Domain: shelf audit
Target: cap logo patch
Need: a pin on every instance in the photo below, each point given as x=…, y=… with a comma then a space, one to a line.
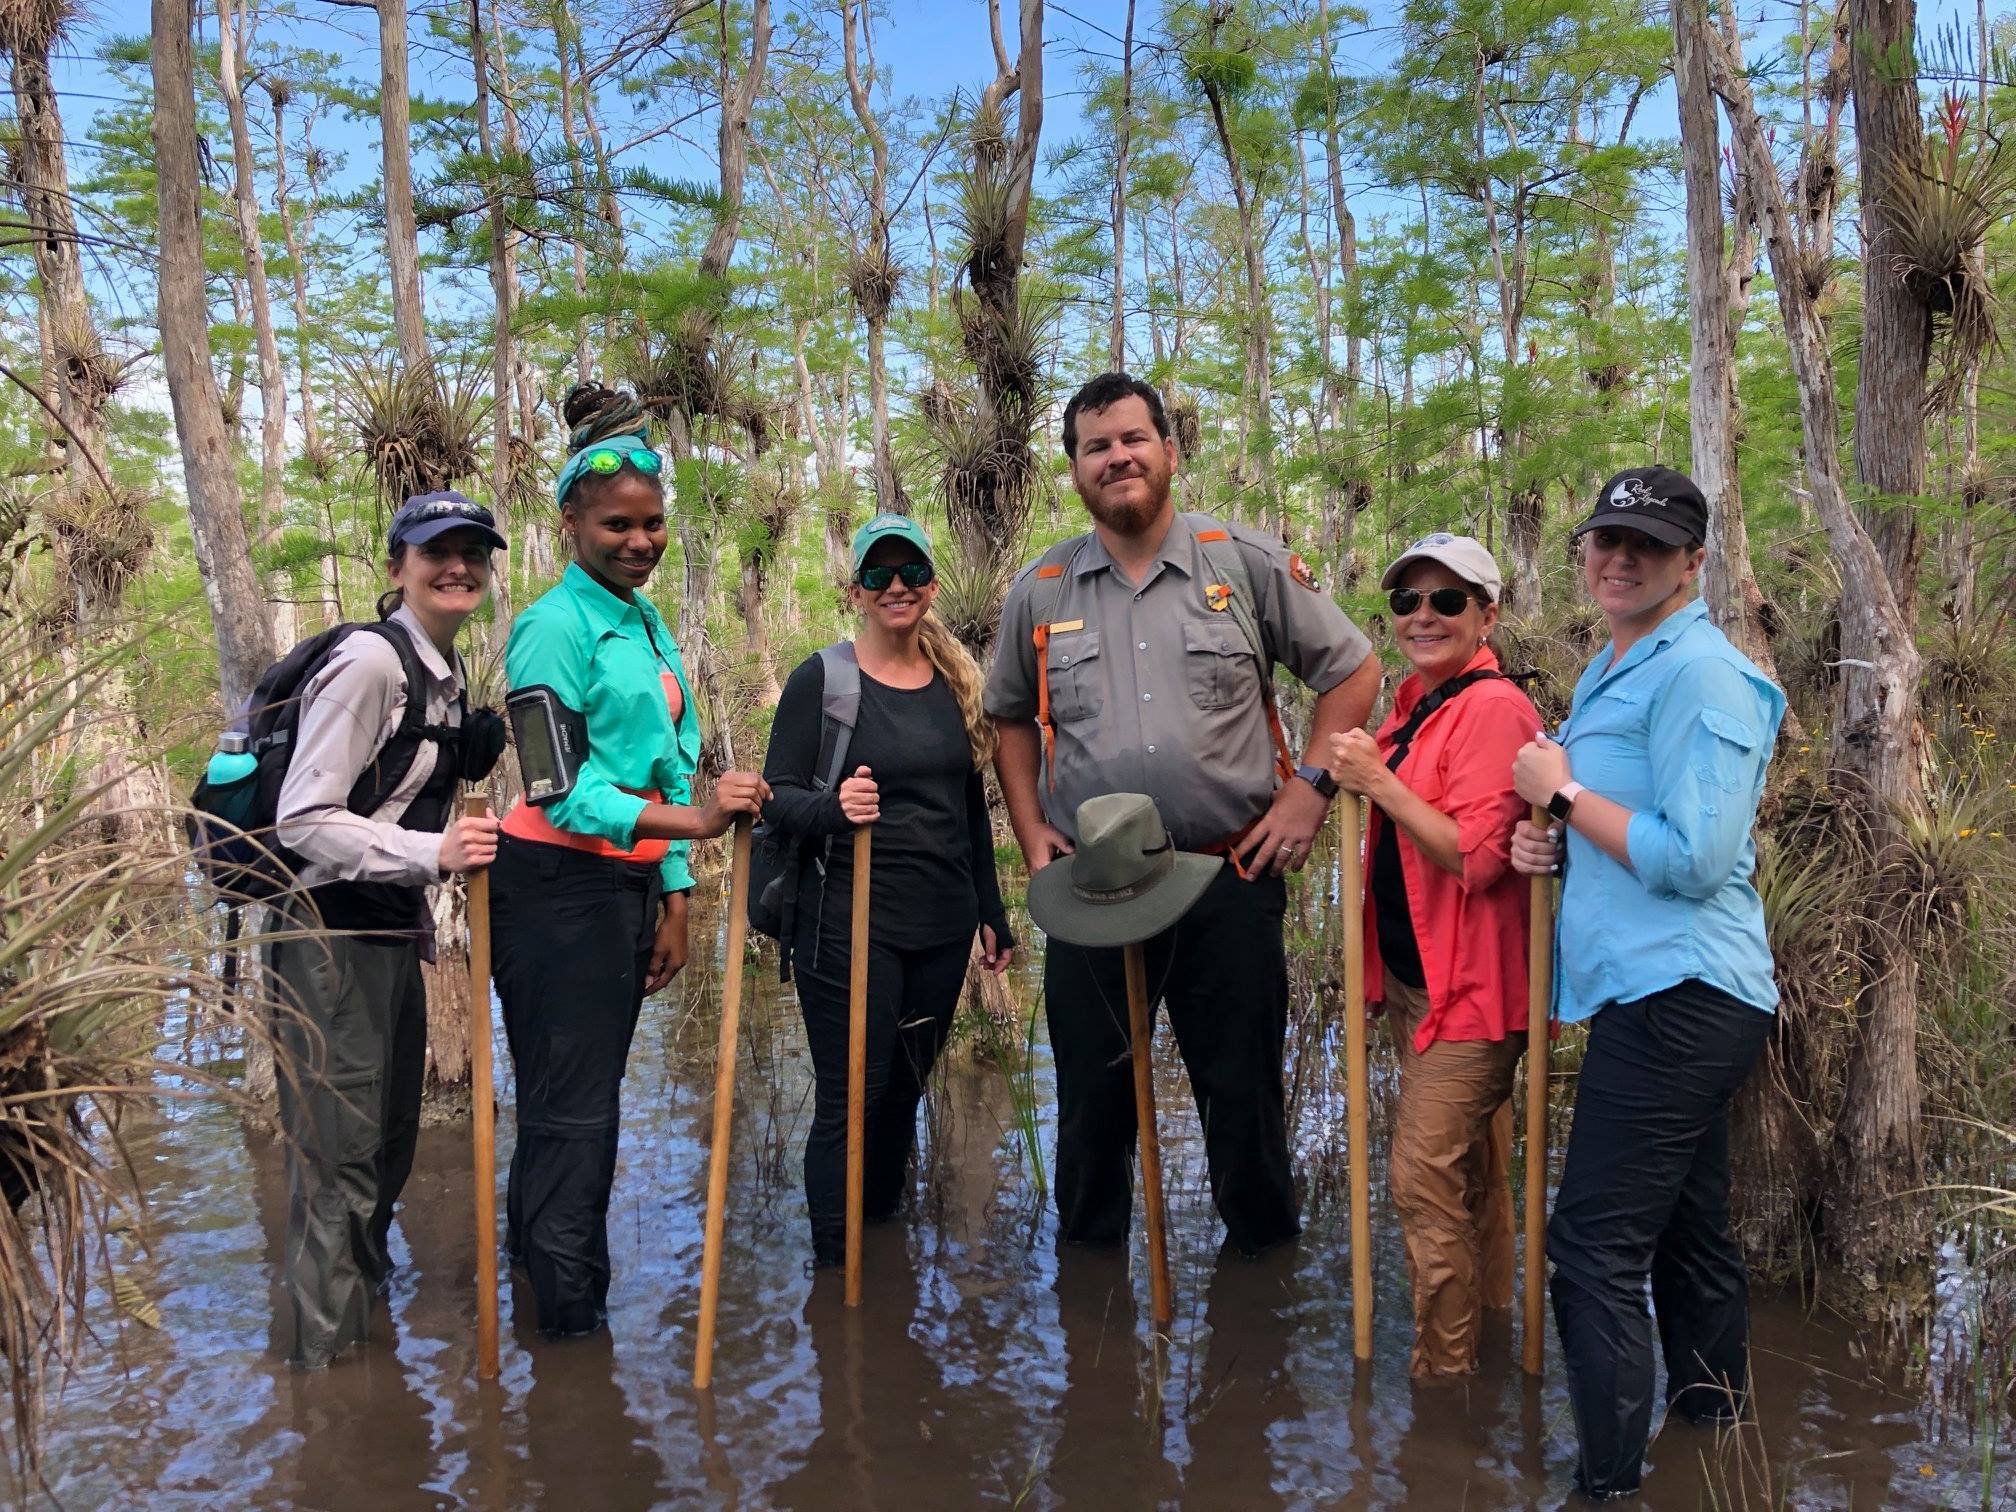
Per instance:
x=1218, y=597
x=1632, y=493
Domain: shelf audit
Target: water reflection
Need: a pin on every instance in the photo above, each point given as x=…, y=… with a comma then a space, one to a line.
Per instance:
x=985, y=1367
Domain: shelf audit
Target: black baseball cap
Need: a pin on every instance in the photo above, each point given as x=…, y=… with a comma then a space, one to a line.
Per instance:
x=425, y=516
x=1657, y=501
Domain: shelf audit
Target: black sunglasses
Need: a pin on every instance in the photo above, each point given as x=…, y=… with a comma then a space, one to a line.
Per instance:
x=914, y=575
x=1447, y=602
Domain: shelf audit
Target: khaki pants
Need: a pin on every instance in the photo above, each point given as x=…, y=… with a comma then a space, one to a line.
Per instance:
x=1452, y=1146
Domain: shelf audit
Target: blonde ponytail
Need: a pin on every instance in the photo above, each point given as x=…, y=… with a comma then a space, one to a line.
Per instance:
x=962, y=675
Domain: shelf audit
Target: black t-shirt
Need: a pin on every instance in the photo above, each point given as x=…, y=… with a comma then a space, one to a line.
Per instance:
x=933, y=861
x=1399, y=951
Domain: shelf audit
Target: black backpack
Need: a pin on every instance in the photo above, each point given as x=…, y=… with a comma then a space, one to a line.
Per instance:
x=233, y=826
x=777, y=861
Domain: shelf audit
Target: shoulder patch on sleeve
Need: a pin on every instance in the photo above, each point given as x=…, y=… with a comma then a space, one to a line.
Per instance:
x=1299, y=570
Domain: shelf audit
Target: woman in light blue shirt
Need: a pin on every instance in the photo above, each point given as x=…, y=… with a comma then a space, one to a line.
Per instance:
x=1661, y=944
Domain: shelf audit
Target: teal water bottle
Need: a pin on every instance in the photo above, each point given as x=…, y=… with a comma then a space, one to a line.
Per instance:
x=233, y=761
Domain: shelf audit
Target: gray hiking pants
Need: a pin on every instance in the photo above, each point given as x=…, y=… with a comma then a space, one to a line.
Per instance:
x=350, y=1110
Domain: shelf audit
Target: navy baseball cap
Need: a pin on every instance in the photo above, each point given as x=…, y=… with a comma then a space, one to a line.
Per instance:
x=425, y=516
x=1656, y=501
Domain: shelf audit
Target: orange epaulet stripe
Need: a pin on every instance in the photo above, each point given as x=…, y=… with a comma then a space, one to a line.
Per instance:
x=1214, y=535
x=1049, y=572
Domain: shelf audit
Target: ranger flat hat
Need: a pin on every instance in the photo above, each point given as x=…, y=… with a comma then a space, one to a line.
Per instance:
x=1125, y=882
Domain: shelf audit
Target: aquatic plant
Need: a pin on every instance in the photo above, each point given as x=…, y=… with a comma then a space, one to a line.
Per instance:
x=99, y=949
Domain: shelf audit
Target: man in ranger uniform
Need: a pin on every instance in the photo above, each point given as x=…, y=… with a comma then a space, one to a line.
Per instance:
x=1139, y=658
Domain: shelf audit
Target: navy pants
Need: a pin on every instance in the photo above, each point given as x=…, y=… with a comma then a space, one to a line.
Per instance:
x=911, y=998
x=1223, y=973
x=573, y=937
x=1645, y=1193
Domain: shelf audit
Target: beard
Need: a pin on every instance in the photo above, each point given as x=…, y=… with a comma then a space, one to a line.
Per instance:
x=1131, y=515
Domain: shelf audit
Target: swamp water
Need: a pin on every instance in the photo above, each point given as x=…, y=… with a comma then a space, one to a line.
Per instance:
x=983, y=1369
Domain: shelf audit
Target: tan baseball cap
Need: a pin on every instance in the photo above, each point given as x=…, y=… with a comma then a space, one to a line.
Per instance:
x=1466, y=556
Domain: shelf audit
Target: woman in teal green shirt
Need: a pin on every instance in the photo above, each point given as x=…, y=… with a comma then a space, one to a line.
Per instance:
x=588, y=893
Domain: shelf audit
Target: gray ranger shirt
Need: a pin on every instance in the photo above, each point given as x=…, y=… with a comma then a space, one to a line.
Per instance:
x=1153, y=691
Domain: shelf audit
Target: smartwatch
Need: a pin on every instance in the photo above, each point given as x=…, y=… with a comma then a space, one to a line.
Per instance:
x=1320, y=779
x=1564, y=800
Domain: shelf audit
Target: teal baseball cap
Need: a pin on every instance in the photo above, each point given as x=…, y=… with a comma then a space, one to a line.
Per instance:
x=885, y=527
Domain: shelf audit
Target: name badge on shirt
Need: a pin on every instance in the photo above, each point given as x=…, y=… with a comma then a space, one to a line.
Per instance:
x=1060, y=627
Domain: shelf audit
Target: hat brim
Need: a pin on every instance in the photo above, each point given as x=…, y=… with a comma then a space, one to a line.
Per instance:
x=1661, y=530
x=908, y=537
x=426, y=531
x=1392, y=575
x=1061, y=914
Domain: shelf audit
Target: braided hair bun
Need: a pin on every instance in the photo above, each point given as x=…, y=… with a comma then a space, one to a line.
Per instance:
x=594, y=412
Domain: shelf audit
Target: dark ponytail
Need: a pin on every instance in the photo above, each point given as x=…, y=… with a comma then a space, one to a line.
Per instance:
x=594, y=412
x=392, y=599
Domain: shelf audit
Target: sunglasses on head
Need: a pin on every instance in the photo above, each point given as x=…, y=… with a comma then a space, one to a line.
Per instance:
x=1447, y=602
x=609, y=459
x=914, y=575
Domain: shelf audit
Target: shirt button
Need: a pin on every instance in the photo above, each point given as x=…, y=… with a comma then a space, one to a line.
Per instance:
x=1151, y=750
x=1143, y=646
x=1147, y=698
x=1066, y=662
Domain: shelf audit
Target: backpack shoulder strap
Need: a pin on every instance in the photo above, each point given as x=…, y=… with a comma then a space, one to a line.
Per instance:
x=1227, y=561
x=394, y=759
x=1046, y=593
x=839, y=709
x=1403, y=738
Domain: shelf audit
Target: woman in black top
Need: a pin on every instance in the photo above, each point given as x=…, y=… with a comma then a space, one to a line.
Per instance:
x=920, y=743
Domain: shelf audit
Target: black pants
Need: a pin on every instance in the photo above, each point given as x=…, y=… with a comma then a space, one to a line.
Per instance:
x=1645, y=1191
x=573, y=937
x=356, y=1049
x=912, y=995
x=1224, y=976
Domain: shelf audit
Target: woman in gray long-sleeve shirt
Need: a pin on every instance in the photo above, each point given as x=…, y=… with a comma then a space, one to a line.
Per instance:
x=357, y=1036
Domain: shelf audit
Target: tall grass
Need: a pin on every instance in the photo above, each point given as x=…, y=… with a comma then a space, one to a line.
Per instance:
x=99, y=948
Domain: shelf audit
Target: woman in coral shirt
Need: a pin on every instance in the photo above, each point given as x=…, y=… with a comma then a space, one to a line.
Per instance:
x=1445, y=931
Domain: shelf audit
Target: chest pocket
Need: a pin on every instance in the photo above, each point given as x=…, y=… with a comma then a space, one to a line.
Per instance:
x=1218, y=665
x=1077, y=690
x=628, y=692
x=1616, y=712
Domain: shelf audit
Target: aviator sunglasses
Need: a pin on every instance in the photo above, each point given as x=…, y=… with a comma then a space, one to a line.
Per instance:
x=1447, y=602
x=608, y=459
x=914, y=575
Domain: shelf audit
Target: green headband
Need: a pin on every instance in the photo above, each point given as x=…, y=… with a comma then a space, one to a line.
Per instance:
x=576, y=465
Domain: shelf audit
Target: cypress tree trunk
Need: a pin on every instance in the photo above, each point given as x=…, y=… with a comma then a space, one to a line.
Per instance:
x=216, y=520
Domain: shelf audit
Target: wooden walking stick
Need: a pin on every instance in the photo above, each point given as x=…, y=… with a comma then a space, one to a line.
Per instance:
x=1357, y=1090
x=1539, y=1002
x=1141, y=1030
x=482, y=1107
x=724, y=1107
x=857, y=1064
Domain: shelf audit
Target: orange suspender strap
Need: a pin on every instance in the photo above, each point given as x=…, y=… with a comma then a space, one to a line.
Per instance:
x=1229, y=849
x=1284, y=763
x=1041, y=636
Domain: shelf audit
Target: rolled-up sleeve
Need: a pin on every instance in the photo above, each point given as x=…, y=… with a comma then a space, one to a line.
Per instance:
x=1477, y=789
x=1709, y=739
x=543, y=652
x=1011, y=681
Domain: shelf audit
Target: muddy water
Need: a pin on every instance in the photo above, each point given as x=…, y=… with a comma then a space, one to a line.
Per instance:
x=983, y=1368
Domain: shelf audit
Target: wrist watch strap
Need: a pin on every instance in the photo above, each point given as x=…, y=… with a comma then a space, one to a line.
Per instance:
x=1563, y=801
x=1318, y=778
